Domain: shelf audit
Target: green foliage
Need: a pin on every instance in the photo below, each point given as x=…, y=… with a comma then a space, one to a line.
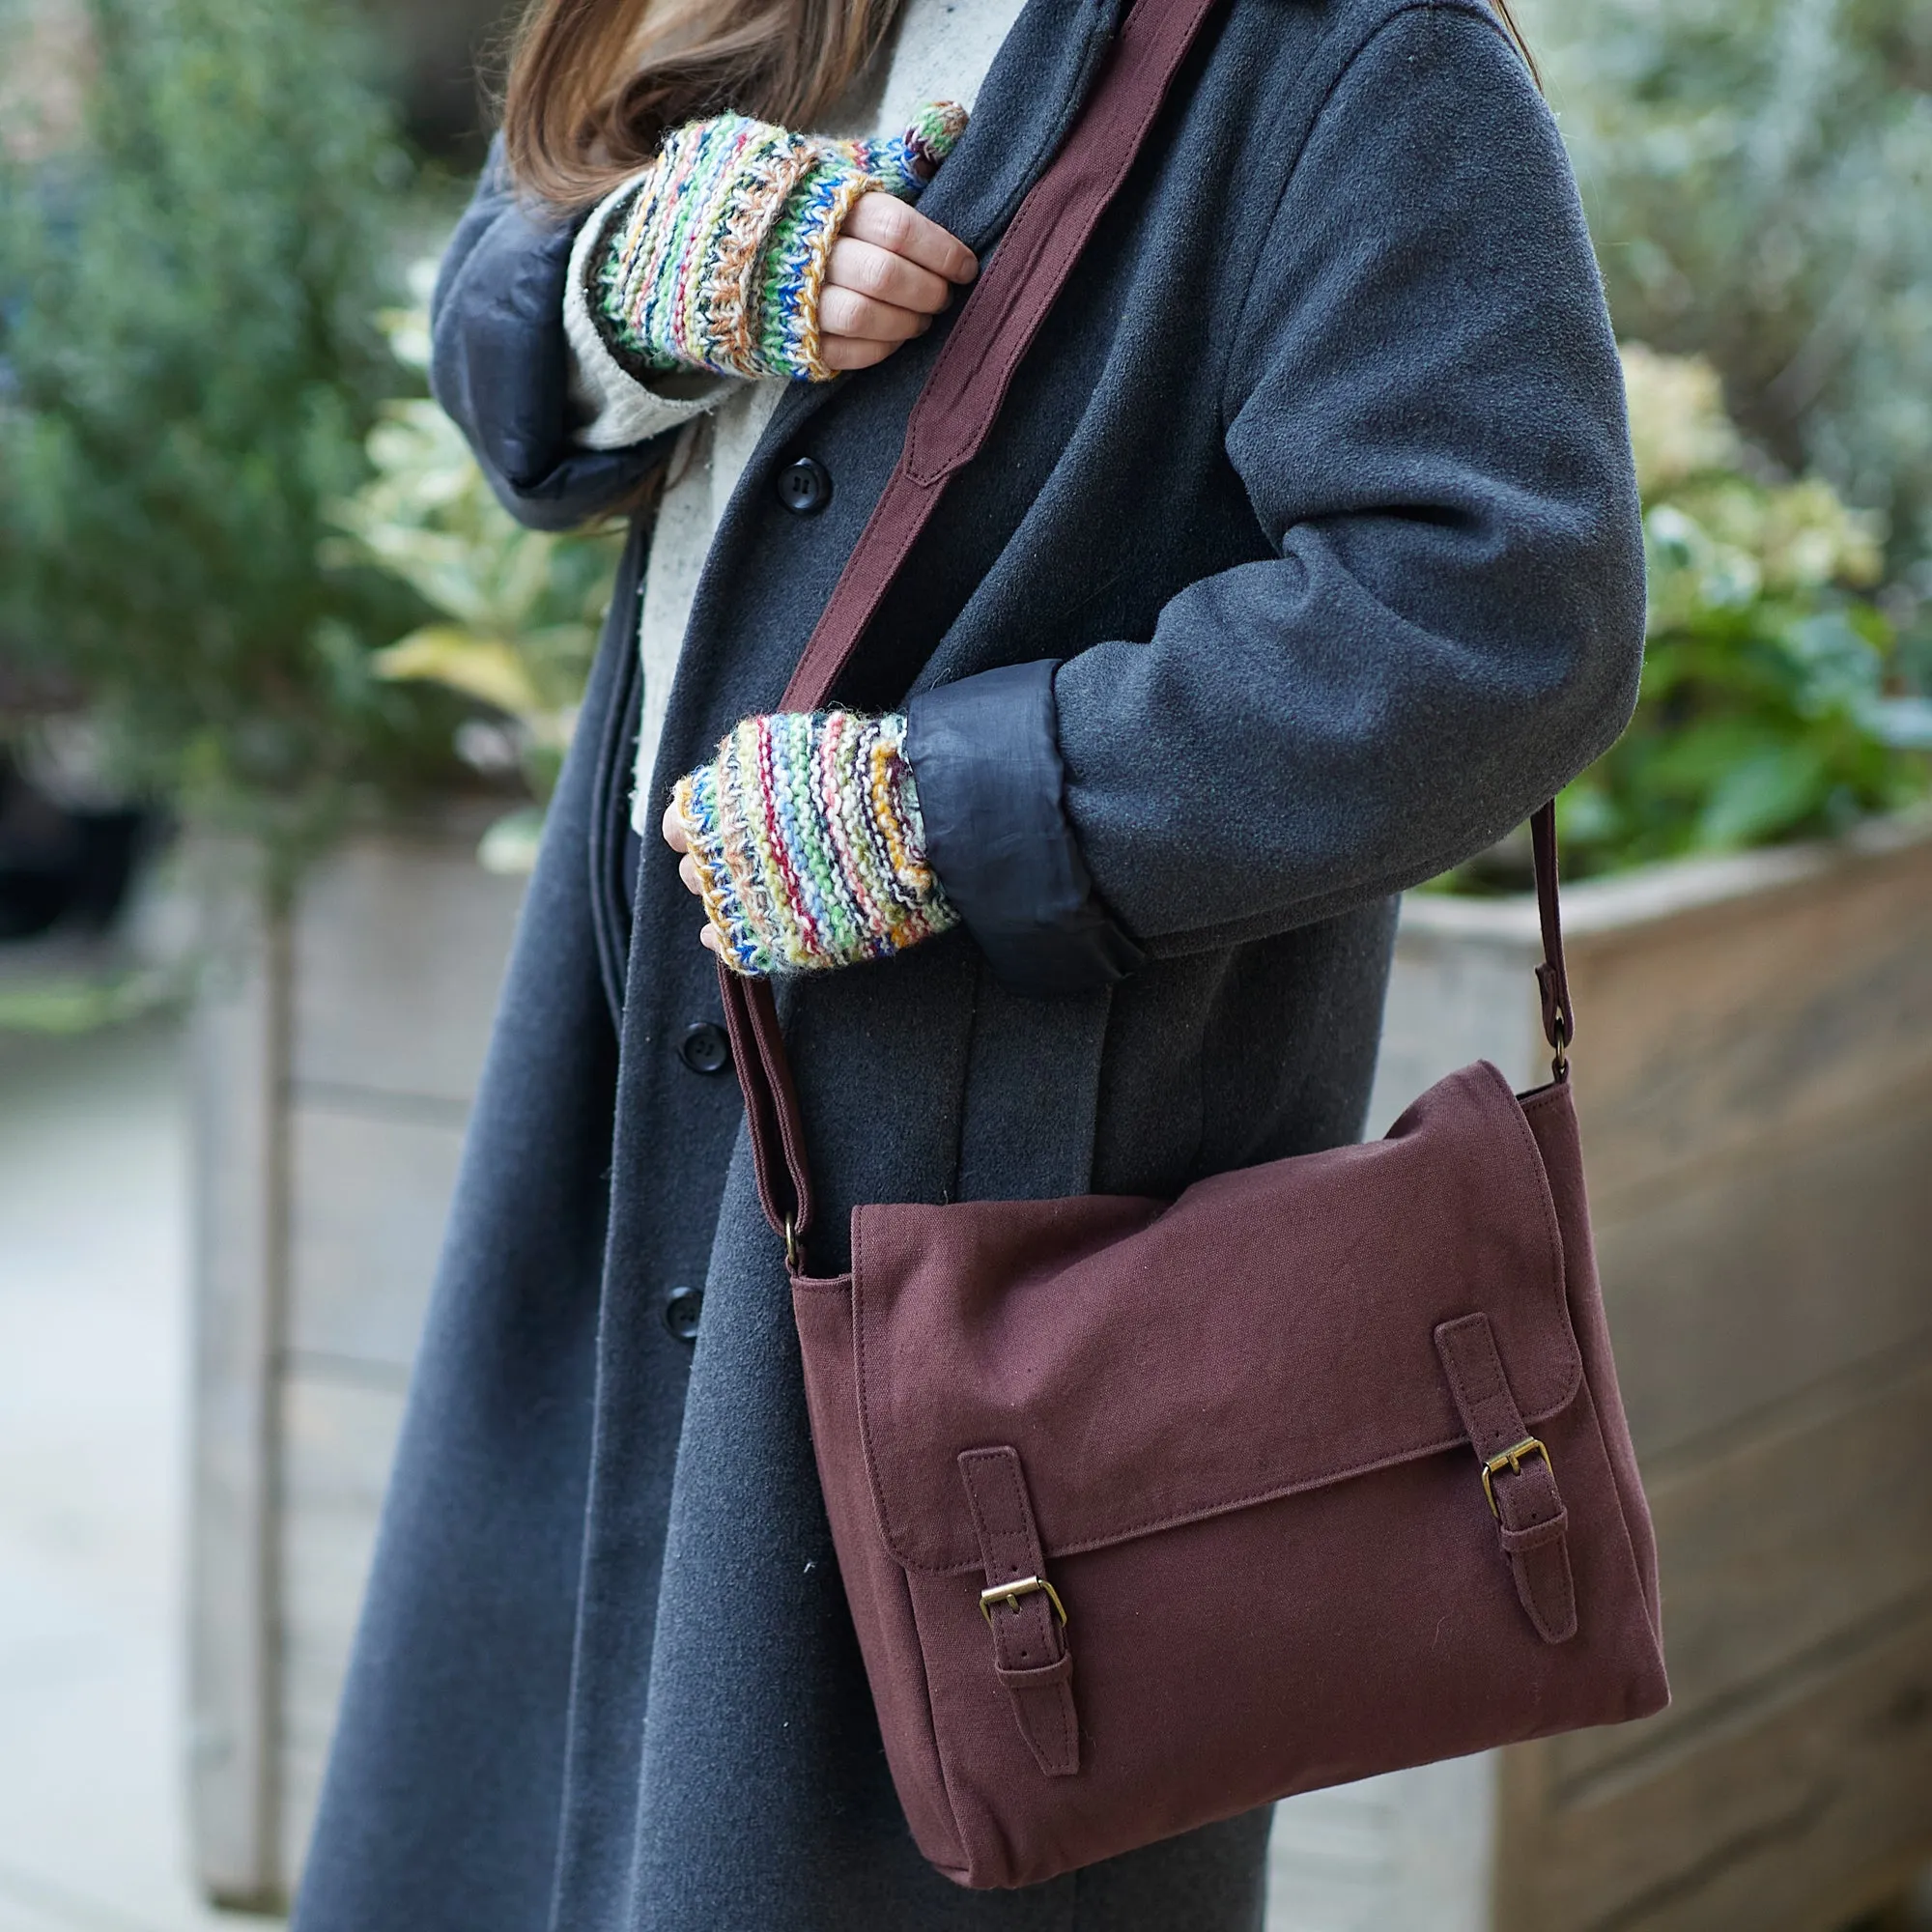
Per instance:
x=190, y=370
x=520, y=611
x=1758, y=177
x=1764, y=712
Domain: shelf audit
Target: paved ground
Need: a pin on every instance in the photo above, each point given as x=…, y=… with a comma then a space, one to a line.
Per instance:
x=93, y=1381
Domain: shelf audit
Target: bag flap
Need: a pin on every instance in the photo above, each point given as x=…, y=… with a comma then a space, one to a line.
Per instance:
x=1270, y=1331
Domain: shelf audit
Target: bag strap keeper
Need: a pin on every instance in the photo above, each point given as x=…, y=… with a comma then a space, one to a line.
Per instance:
x=1030, y=1654
x=1532, y=1525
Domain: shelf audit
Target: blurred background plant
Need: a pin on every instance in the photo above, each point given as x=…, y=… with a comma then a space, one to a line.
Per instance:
x=1758, y=178
x=1772, y=703
x=518, y=612
x=1775, y=703
x=189, y=278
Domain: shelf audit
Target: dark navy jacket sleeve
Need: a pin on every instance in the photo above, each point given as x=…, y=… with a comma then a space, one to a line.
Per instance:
x=500, y=365
x=985, y=756
x=1425, y=407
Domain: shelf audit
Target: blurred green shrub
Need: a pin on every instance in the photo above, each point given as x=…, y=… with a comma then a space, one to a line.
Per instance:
x=1765, y=712
x=519, y=611
x=1758, y=177
x=190, y=367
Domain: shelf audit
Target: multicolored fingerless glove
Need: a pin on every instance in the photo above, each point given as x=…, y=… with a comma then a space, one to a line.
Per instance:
x=714, y=258
x=808, y=843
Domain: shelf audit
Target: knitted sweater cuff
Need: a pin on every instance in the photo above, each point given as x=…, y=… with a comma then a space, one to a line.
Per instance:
x=612, y=405
x=716, y=257
x=809, y=845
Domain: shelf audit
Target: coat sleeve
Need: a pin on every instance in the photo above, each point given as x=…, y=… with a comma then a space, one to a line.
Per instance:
x=1425, y=407
x=501, y=366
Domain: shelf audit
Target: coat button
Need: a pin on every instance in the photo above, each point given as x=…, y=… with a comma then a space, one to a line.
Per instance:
x=805, y=487
x=683, y=1307
x=705, y=1048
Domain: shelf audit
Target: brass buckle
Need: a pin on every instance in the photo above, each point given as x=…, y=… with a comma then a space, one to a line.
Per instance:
x=794, y=1252
x=1010, y=1594
x=1512, y=1459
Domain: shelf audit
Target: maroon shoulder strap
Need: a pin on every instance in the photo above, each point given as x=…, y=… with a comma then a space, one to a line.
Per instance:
x=1559, y=1016
x=950, y=422
x=957, y=409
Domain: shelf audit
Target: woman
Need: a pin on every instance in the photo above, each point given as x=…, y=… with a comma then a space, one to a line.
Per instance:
x=1303, y=563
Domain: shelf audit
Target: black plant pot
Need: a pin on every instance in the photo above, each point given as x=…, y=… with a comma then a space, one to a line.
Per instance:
x=60, y=866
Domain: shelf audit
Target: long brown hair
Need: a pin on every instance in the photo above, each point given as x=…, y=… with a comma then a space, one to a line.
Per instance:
x=593, y=84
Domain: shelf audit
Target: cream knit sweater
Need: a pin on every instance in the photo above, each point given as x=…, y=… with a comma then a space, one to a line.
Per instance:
x=938, y=49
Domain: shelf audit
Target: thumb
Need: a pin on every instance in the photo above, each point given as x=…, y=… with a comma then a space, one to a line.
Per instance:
x=934, y=134
x=903, y=164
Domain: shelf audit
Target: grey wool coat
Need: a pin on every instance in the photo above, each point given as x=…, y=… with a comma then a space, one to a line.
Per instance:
x=1304, y=562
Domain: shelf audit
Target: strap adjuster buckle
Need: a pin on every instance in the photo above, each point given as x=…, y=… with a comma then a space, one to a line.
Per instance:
x=1010, y=1594
x=1512, y=1459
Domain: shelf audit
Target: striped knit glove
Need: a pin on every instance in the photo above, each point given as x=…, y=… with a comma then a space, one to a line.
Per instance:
x=808, y=844
x=715, y=259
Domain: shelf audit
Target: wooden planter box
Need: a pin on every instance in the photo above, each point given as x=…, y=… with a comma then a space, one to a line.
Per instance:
x=1755, y=1074
x=335, y=1054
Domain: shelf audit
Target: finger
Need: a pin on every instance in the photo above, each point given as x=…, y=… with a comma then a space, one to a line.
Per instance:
x=842, y=313
x=851, y=351
x=687, y=870
x=673, y=830
x=708, y=938
x=900, y=229
x=867, y=269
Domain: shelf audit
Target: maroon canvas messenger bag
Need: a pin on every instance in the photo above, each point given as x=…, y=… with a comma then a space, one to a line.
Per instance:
x=1150, y=1511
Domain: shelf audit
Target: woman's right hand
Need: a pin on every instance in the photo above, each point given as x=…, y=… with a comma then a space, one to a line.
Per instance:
x=889, y=273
